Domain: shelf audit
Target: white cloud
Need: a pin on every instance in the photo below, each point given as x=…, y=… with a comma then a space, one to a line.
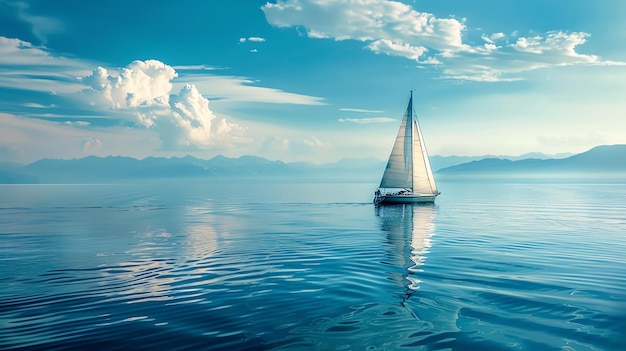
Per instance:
x=314, y=142
x=368, y=120
x=243, y=89
x=572, y=141
x=388, y=47
x=394, y=28
x=502, y=63
x=140, y=93
x=26, y=140
x=394, y=25
x=486, y=38
x=360, y=110
x=559, y=44
x=196, y=67
x=27, y=67
x=140, y=83
x=497, y=36
x=41, y=26
x=143, y=89
x=252, y=39
x=78, y=123
x=24, y=66
x=199, y=126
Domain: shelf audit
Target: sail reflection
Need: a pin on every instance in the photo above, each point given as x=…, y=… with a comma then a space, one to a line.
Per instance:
x=408, y=229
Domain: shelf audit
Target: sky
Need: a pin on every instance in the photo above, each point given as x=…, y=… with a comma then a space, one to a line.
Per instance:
x=308, y=80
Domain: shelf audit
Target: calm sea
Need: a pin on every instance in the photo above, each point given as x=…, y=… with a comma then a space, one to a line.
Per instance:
x=254, y=265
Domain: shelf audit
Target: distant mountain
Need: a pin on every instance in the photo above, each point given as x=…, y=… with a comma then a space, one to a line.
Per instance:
x=600, y=159
x=440, y=162
x=94, y=169
x=10, y=174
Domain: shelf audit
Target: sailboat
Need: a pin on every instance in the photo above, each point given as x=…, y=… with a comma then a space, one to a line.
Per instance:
x=408, y=177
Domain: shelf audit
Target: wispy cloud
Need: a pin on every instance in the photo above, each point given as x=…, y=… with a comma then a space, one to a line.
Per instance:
x=244, y=89
x=28, y=139
x=252, y=39
x=359, y=110
x=394, y=28
x=41, y=26
x=368, y=120
x=285, y=147
x=196, y=68
x=315, y=142
x=28, y=67
x=149, y=95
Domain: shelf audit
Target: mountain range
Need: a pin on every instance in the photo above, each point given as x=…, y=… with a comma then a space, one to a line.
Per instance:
x=600, y=159
x=92, y=169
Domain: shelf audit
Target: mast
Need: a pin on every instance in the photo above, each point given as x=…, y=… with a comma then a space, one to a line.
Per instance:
x=408, y=144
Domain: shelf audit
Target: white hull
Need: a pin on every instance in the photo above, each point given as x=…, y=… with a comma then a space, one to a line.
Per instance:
x=405, y=198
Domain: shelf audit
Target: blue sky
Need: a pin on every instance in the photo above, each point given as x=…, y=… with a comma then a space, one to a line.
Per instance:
x=311, y=80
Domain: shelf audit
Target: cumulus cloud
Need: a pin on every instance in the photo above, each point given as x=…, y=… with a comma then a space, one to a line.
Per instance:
x=394, y=28
x=140, y=83
x=143, y=90
x=198, y=124
x=390, y=25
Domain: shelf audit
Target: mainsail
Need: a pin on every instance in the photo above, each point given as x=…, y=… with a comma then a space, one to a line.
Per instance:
x=408, y=166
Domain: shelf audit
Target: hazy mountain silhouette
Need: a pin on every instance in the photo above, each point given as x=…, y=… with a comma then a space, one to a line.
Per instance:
x=94, y=169
x=440, y=162
x=600, y=159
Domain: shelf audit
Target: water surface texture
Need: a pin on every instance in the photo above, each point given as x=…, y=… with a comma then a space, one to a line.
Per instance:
x=498, y=265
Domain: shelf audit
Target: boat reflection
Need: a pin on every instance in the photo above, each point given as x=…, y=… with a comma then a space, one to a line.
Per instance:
x=408, y=228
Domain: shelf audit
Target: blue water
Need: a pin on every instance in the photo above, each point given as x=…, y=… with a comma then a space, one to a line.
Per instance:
x=493, y=265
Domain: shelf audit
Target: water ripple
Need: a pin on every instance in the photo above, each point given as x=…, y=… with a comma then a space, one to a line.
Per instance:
x=149, y=269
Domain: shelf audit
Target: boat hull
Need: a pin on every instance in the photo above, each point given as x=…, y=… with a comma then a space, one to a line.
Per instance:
x=405, y=199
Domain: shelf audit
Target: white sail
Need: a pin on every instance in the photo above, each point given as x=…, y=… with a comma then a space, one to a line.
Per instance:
x=423, y=179
x=408, y=166
x=399, y=170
